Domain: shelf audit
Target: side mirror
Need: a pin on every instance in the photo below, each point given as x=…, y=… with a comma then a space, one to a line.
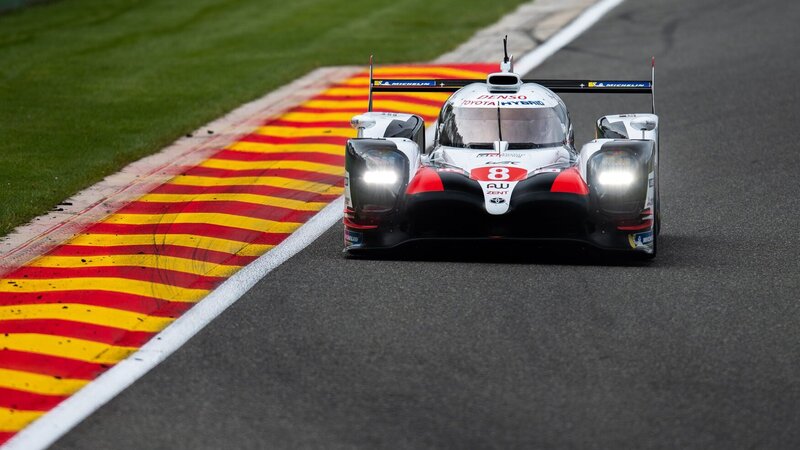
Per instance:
x=607, y=129
x=644, y=124
x=361, y=122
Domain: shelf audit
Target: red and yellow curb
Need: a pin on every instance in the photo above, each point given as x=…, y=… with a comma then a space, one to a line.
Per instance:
x=89, y=303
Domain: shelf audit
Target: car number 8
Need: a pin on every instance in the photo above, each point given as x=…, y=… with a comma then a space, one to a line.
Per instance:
x=499, y=173
x=494, y=173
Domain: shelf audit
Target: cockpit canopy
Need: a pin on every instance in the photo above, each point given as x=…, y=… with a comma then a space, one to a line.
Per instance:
x=526, y=124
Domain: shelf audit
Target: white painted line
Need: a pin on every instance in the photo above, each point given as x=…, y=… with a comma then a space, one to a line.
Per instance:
x=69, y=413
x=58, y=421
x=564, y=36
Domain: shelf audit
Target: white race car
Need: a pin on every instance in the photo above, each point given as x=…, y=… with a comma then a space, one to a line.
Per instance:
x=503, y=166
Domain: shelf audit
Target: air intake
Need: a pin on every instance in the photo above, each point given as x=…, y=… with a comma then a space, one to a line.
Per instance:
x=504, y=82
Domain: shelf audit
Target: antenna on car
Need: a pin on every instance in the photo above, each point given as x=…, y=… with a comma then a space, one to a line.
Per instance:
x=369, y=104
x=508, y=61
x=653, y=82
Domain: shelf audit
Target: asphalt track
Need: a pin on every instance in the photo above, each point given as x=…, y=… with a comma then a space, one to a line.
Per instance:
x=698, y=349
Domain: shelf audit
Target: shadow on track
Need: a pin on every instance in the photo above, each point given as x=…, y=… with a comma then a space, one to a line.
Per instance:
x=505, y=252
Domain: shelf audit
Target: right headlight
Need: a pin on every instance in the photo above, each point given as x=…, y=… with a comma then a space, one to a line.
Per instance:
x=617, y=179
x=615, y=169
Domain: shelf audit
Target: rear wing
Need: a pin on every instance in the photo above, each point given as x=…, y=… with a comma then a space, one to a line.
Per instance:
x=559, y=86
x=571, y=86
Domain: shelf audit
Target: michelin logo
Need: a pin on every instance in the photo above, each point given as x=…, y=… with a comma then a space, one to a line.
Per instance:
x=619, y=84
x=406, y=83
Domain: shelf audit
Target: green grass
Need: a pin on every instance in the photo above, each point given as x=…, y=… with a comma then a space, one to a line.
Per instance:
x=7, y=5
x=88, y=86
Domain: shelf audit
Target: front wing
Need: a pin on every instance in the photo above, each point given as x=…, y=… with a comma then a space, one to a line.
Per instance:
x=539, y=210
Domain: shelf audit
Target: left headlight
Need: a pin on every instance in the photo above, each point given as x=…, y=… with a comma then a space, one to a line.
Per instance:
x=381, y=176
x=382, y=168
x=377, y=172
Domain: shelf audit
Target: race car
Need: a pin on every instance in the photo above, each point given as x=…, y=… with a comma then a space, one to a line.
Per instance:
x=503, y=166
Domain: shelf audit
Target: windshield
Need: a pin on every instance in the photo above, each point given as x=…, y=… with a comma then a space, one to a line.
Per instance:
x=521, y=127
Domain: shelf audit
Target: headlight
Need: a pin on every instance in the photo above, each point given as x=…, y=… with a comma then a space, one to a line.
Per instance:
x=383, y=168
x=615, y=169
x=377, y=172
x=619, y=178
x=380, y=177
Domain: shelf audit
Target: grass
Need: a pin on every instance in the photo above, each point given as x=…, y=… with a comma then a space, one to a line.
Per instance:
x=88, y=86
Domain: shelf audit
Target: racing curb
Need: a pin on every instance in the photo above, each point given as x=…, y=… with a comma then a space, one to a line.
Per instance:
x=89, y=206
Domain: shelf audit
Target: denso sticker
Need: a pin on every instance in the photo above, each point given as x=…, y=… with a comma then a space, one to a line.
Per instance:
x=495, y=173
x=502, y=97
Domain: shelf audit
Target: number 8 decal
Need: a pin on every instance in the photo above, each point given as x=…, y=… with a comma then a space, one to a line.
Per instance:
x=494, y=173
x=499, y=173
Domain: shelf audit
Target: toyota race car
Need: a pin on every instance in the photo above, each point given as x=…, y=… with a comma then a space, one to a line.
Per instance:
x=503, y=166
